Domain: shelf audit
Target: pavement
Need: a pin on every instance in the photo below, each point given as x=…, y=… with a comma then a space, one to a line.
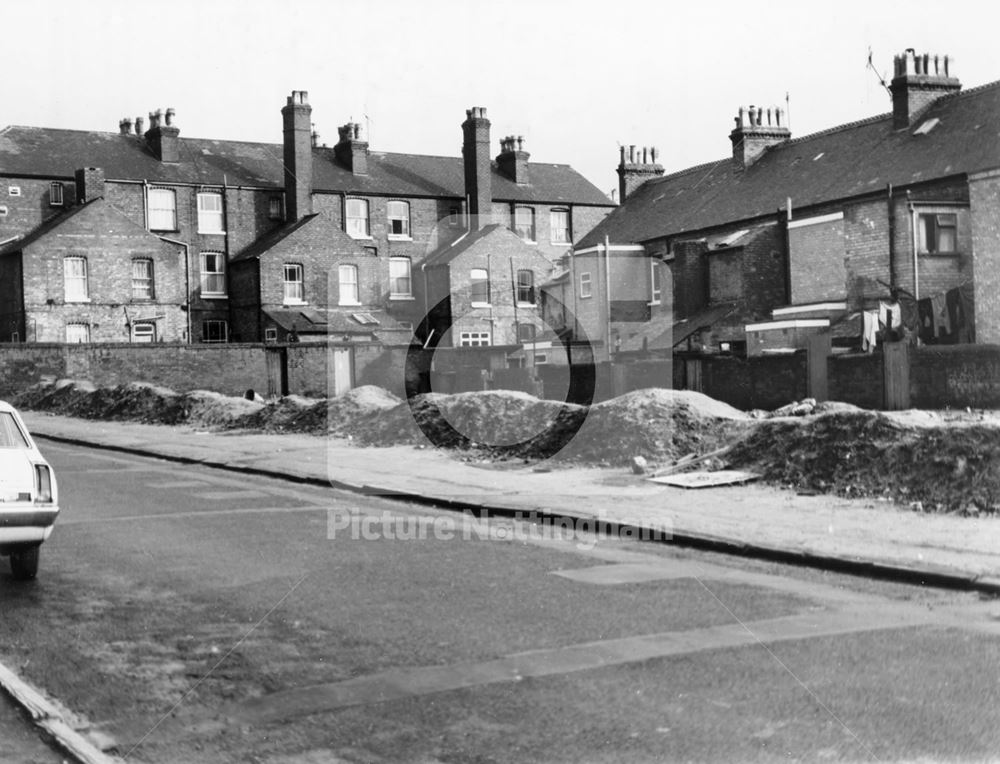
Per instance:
x=869, y=537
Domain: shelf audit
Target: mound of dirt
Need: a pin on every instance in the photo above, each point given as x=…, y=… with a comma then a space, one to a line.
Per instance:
x=656, y=424
x=867, y=453
x=356, y=409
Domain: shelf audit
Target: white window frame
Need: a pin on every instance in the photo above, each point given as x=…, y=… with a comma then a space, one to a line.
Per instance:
x=293, y=284
x=566, y=230
x=276, y=208
x=348, y=289
x=77, y=327
x=218, y=323
x=162, y=214
x=532, y=330
x=213, y=277
x=655, y=283
x=76, y=279
x=56, y=194
x=270, y=334
x=474, y=339
x=395, y=293
x=922, y=238
x=475, y=278
x=586, y=285
x=143, y=330
x=146, y=283
x=454, y=216
x=398, y=210
x=530, y=287
x=518, y=226
x=351, y=221
x=210, y=220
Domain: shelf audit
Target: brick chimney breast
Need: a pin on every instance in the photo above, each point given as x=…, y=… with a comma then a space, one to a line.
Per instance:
x=635, y=168
x=162, y=137
x=351, y=151
x=297, y=120
x=512, y=160
x=918, y=81
x=478, y=166
x=756, y=131
x=89, y=184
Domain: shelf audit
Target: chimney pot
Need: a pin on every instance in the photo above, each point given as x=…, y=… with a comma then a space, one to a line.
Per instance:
x=170, y=116
x=138, y=125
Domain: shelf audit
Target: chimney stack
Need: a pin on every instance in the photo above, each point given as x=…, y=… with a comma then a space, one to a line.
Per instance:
x=756, y=130
x=512, y=160
x=298, y=155
x=478, y=167
x=918, y=81
x=163, y=139
x=89, y=184
x=351, y=151
x=125, y=126
x=138, y=125
x=636, y=168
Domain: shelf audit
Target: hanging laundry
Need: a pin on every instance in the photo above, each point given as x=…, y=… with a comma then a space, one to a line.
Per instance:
x=926, y=312
x=942, y=322
x=956, y=314
x=890, y=315
x=869, y=332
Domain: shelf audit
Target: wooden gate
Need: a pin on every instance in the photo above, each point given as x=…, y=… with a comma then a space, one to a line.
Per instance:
x=276, y=360
x=896, y=375
x=818, y=351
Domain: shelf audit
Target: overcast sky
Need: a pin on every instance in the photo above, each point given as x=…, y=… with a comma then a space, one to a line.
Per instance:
x=575, y=78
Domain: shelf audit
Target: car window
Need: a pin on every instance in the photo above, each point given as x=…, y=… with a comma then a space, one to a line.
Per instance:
x=10, y=434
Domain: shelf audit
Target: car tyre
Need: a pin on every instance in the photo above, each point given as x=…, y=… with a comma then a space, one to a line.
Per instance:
x=24, y=563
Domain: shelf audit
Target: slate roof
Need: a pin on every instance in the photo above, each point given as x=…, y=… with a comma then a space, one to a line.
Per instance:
x=850, y=160
x=50, y=152
x=445, y=254
x=335, y=236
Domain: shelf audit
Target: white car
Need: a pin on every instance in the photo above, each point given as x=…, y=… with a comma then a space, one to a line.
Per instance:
x=29, y=501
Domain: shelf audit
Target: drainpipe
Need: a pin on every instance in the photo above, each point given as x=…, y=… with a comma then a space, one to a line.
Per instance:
x=607, y=289
x=187, y=281
x=913, y=245
x=892, y=238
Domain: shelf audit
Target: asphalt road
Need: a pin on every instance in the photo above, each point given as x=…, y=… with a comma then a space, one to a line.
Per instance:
x=194, y=615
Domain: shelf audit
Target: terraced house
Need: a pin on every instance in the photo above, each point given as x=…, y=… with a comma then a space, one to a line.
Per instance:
x=144, y=235
x=891, y=223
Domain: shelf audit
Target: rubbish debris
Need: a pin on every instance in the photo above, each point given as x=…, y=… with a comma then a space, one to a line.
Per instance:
x=704, y=479
x=639, y=465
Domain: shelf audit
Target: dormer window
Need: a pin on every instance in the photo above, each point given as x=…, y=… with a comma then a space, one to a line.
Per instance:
x=56, y=194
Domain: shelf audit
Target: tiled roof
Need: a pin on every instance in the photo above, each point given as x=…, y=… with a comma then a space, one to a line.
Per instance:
x=53, y=152
x=334, y=236
x=449, y=252
x=849, y=160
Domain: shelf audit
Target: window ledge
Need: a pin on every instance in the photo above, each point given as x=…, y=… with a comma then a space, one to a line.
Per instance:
x=481, y=304
x=586, y=296
x=401, y=297
x=653, y=303
x=77, y=300
x=398, y=237
x=294, y=302
x=345, y=304
x=561, y=243
x=211, y=233
x=527, y=305
x=940, y=254
x=215, y=296
x=164, y=230
x=360, y=238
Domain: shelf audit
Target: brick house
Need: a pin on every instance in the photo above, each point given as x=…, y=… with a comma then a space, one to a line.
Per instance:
x=483, y=290
x=788, y=237
x=92, y=275
x=244, y=215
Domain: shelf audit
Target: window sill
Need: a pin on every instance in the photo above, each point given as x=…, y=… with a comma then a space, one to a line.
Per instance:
x=395, y=237
x=586, y=296
x=402, y=297
x=360, y=238
x=345, y=304
x=561, y=243
x=940, y=254
x=211, y=233
x=294, y=302
x=653, y=303
x=78, y=300
x=164, y=230
x=481, y=305
x=527, y=305
x=215, y=297
x=532, y=242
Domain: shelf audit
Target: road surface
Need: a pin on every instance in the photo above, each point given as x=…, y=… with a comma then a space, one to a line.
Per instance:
x=196, y=615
